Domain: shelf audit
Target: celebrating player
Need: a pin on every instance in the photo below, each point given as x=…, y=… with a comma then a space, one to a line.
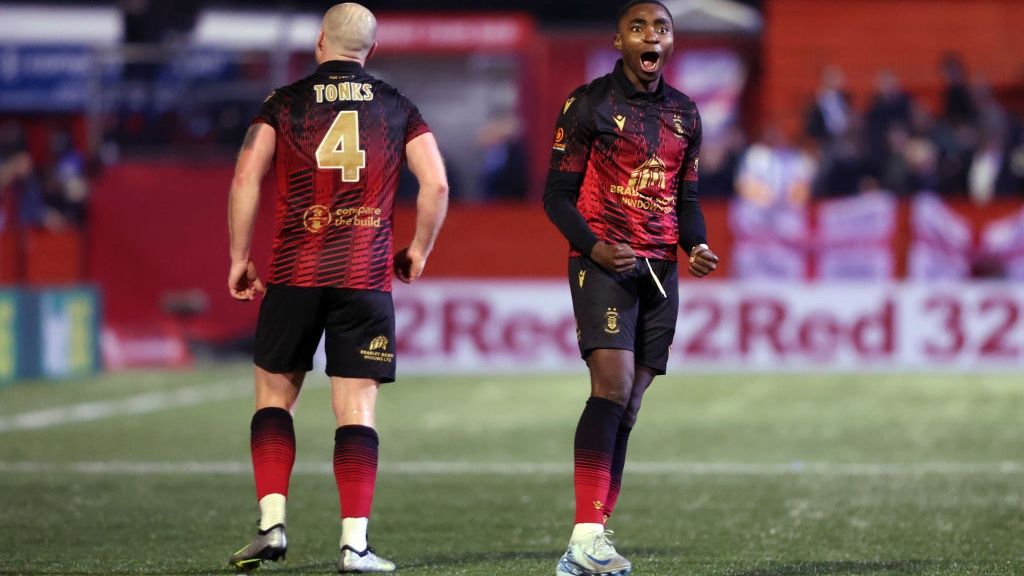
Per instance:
x=337, y=138
x=622, y=189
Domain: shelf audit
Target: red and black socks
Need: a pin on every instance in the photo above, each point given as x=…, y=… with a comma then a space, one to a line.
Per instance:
x=272, y=443
x=355, y=471
x=593, y=455
x=618, y=465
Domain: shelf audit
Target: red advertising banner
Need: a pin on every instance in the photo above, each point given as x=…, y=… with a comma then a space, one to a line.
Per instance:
x=527, y=326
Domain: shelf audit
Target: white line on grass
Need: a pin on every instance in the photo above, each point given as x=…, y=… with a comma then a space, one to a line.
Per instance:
x=133, y=405
x=537, y=468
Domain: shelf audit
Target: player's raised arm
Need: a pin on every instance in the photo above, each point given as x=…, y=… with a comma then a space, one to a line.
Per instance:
x=426, y=164
x=253, y=162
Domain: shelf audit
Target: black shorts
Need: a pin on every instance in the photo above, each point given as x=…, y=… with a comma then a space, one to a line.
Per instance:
x=359, y=327
x=626, y=311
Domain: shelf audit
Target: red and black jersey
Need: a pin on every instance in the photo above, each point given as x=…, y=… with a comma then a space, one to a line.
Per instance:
x=341, y=137
x=634, y=155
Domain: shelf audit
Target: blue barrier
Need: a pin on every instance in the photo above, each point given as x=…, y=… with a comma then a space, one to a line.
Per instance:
x=49, y=333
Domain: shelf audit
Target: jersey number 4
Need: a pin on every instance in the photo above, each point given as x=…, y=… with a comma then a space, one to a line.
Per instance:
x=339, y=150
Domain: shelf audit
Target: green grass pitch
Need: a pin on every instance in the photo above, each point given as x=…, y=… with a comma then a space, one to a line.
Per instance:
x=731, y=475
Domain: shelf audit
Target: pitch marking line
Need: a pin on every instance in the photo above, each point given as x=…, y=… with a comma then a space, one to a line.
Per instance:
x=536, y=468
x=133, y=405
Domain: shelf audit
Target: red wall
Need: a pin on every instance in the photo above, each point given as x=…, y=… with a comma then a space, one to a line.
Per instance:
x=161, y=229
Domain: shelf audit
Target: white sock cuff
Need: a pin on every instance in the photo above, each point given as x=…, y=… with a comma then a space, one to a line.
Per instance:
x=353, y=533
x=272, y=510
x=586, y=530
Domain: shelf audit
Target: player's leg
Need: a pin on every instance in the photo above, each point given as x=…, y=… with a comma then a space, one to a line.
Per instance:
x=590, y=551
x=272, y=441
x=655, y=330
x=643, y=377
x=360, y=355
x=611, y=378
x=355, y=469
x=272, y=446
x=605, y=309
x=287, y=334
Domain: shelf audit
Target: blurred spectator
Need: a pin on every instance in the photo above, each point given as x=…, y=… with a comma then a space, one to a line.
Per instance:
x=770, y=220
x=910, y=163
x=504, y=170
x=890, y=106
x=67, y=184
x=53, y=196
x=955, y=145
x=958, y=106
x=990, y=173
x=842, y=169
x=773, y=173
x=20, y=197
x=829, y=116
x=720, y=162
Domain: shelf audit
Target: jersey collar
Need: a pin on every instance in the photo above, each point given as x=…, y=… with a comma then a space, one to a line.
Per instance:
x=631, y=91
x=340, y=67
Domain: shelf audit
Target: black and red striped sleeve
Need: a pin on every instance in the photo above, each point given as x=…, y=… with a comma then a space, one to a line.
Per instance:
x=690, y=218
x=574, y=134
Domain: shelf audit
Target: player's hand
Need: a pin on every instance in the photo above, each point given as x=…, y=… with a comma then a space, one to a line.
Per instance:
x=702, y=261
x=615, y=258
x=243, y=282
x=409, y=265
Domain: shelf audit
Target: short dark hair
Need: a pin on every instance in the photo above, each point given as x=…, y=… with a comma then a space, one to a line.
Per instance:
x=625, y=8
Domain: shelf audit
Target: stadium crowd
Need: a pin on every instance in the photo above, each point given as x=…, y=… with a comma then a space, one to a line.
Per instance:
x=972, y=147
x=51, y=192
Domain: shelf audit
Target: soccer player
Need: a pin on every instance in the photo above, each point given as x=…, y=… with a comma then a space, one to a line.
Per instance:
x=622, y=189
x=337, y=139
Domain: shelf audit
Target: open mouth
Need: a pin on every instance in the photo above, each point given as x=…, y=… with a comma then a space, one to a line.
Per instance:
x=649, y=61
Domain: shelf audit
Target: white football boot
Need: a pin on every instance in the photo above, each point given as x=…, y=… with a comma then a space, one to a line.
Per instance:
x=591, y=556
x=353, y=561
x=270, y=544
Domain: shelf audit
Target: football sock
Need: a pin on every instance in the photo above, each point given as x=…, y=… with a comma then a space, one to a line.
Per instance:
x=272, y=443
x=272, y=511
x=355, y=469
x=618, y=465
x=594, y=445
x=353, y=533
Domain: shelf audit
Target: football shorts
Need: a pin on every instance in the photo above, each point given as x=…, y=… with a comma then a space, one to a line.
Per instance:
x=358, y=325
x=626, y=311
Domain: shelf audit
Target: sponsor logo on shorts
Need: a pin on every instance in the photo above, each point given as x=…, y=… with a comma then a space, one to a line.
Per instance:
x=583, y=276
x=377, y=351
x=611, y=321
